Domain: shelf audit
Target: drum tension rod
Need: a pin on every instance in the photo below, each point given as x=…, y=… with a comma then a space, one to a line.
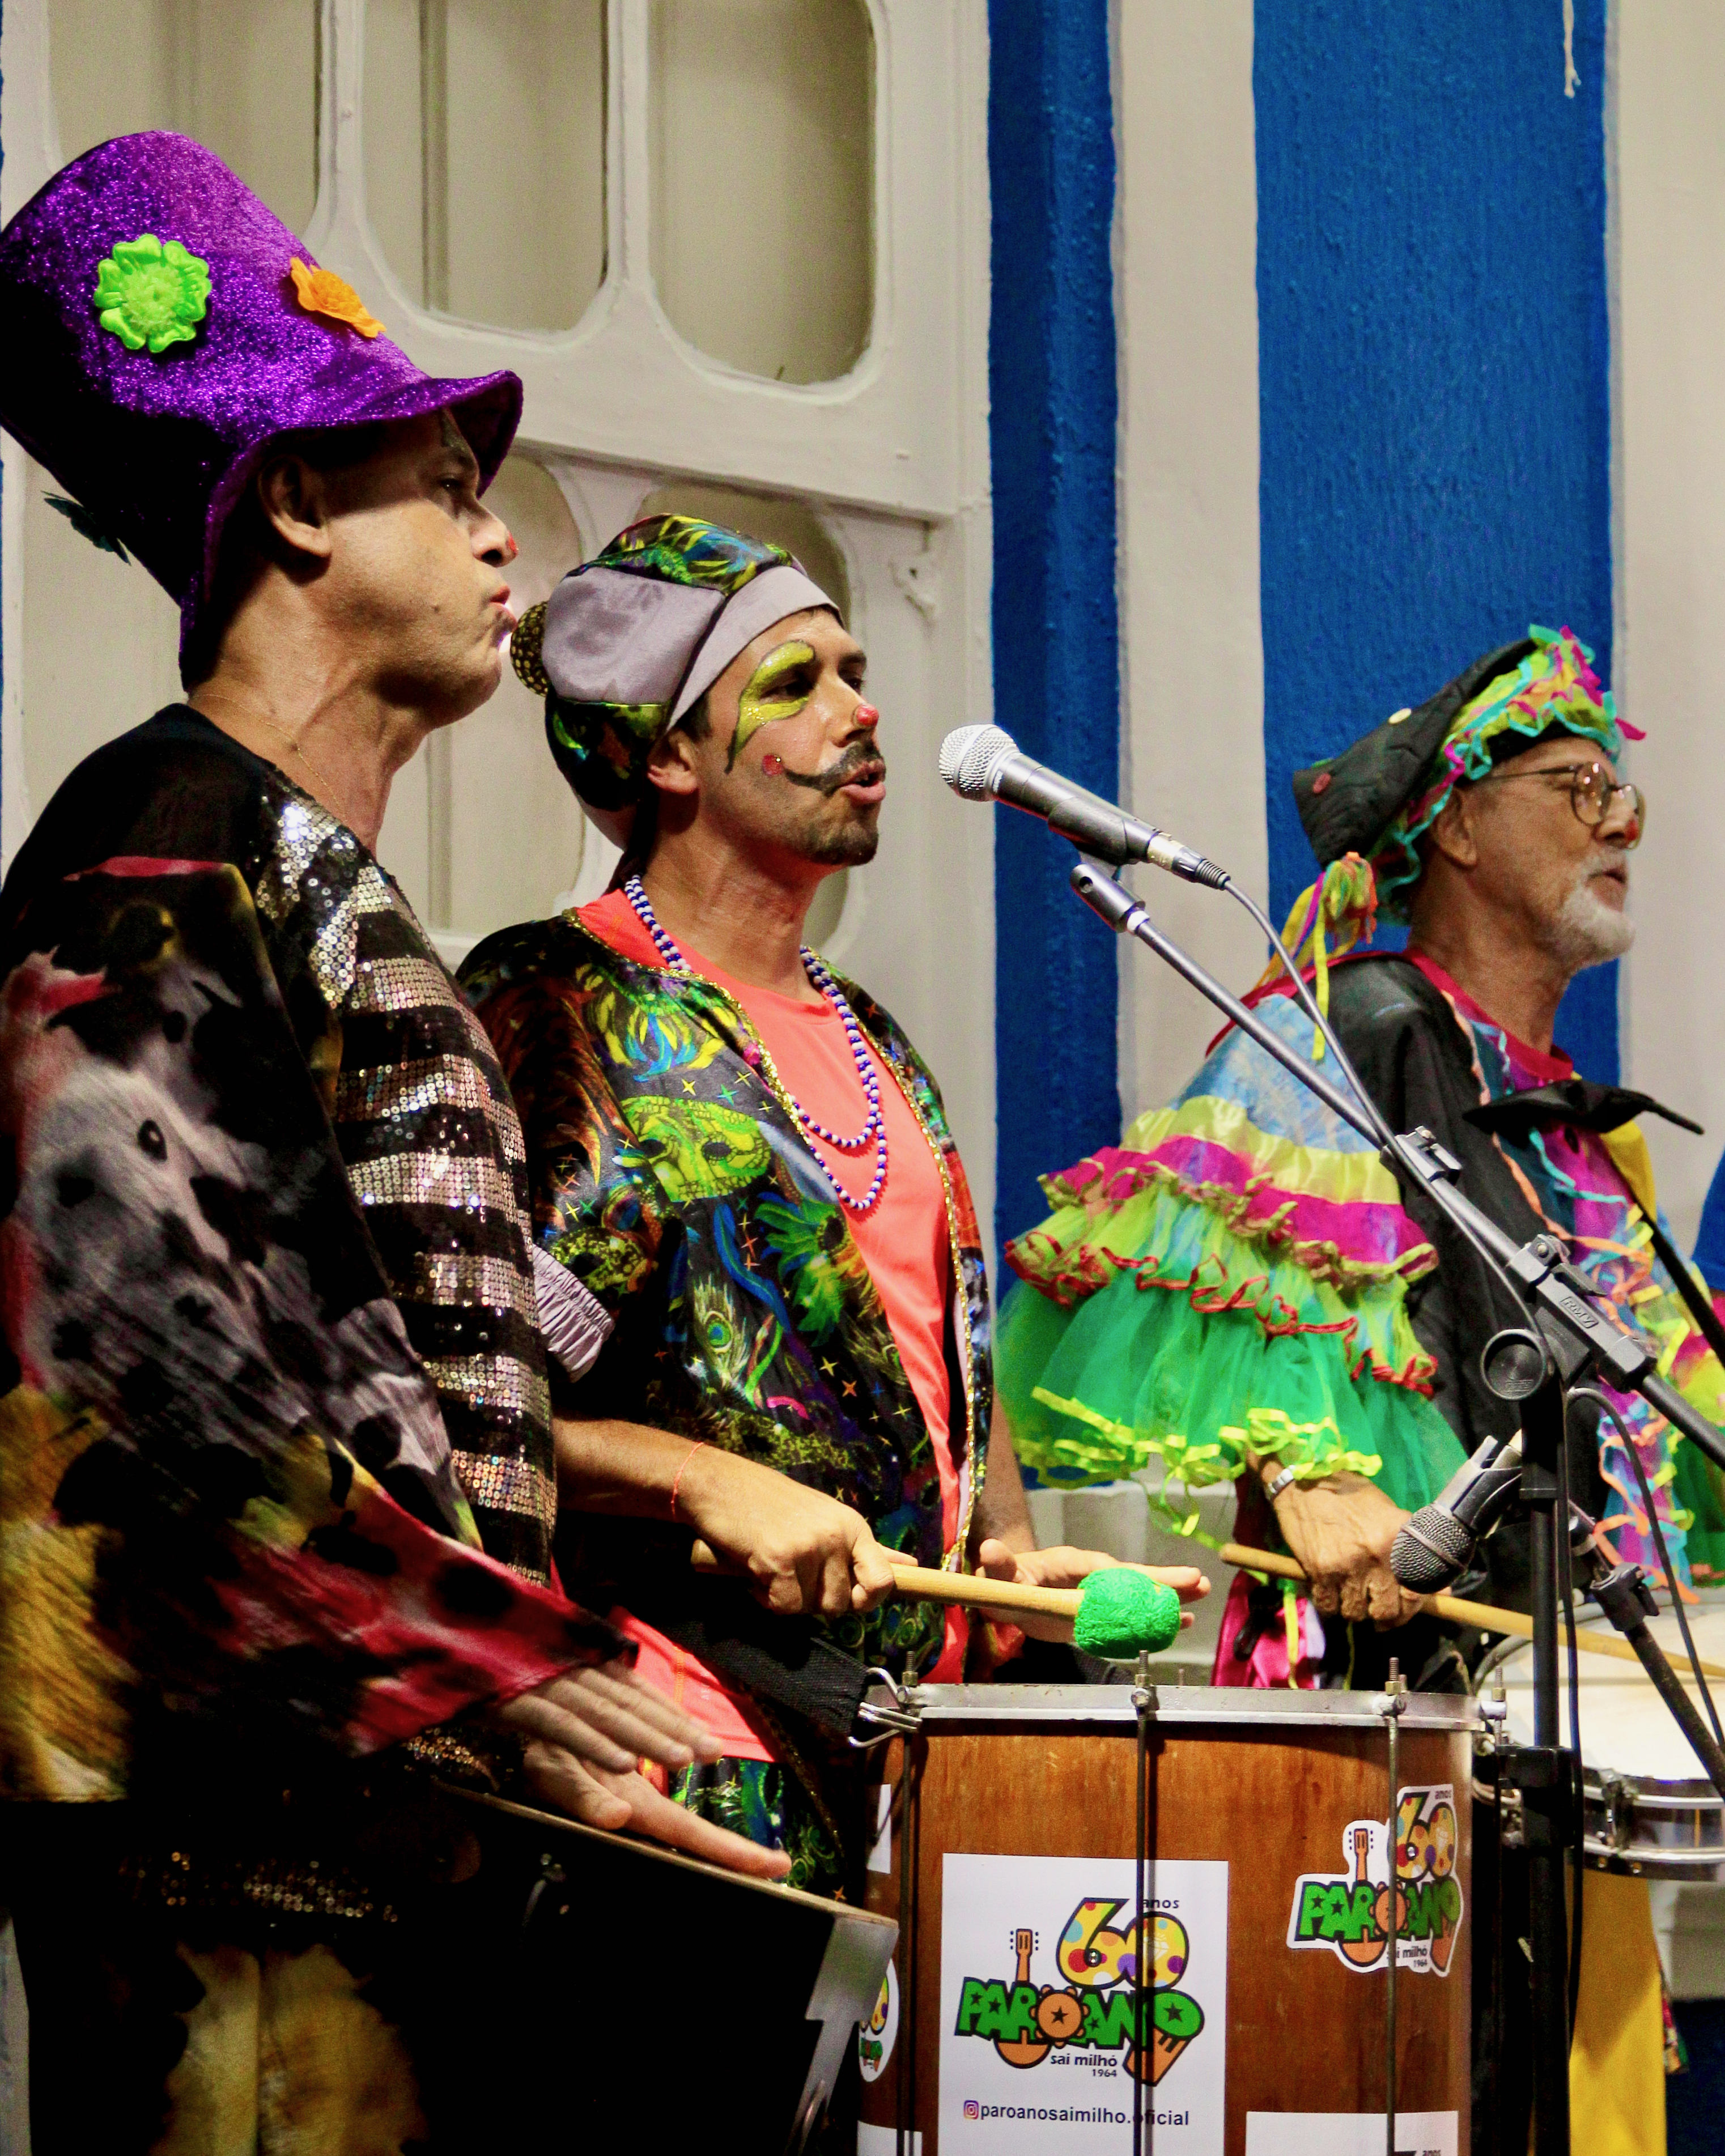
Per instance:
x=1391, y=1703
x=1144, y=1704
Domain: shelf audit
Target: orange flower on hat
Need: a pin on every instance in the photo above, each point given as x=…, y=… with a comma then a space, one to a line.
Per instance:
x=322, y=292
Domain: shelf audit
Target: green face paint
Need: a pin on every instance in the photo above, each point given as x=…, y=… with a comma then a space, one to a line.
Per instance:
x=772, y=692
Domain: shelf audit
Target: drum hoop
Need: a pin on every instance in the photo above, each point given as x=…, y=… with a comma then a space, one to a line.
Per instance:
x=1676, y=1793
x=1651, y=1795
x=945, y=1708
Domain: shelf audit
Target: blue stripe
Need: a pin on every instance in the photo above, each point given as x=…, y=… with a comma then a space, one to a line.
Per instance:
x=1709, y=1251
x=1051, y=439
x=1434, y=371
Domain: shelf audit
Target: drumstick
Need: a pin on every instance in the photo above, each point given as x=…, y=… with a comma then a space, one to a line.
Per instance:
x=1485, y=1615
x=1127, y=1609
x=919, y=1585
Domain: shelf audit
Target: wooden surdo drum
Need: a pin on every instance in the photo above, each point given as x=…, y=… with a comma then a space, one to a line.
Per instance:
x=1248, y=2011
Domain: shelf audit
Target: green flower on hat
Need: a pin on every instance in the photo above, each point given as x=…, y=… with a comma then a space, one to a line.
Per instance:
x=153, y=294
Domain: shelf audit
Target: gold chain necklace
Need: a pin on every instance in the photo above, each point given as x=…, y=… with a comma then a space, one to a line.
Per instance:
x=331, y=796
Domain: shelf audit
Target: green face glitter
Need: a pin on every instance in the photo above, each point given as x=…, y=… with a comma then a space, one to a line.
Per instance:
x=775, y=690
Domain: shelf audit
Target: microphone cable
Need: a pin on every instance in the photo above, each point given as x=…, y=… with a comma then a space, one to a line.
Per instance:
x=1578, y=1779
x=1308, y=1002
x=1592, y=1393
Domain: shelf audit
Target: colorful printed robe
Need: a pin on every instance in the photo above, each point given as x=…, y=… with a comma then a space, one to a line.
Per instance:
x=669, y=1177
x=233, y=1526
x=1243, y=1271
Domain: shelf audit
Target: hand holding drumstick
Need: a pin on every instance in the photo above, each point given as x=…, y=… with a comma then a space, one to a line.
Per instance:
x=1483, y=1616
x=1115, y=1609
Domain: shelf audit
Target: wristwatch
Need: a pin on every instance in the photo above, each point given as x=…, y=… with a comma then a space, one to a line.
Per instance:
x=1273, y=1490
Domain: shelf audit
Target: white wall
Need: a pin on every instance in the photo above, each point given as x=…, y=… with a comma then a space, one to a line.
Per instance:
x=1670, y=459
x=1187, y=309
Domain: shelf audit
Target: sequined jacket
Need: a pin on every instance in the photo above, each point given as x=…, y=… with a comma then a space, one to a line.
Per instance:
x=670, y=1175
x=274, y=1384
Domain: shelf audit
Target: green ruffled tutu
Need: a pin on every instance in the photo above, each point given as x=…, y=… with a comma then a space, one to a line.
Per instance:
x=1200, y=1347
x=1230, y=1280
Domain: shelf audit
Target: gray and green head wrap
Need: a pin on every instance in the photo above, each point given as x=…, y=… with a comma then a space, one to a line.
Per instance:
x=629, y=643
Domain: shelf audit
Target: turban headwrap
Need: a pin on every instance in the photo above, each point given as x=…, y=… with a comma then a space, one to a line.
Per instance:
x=630, y=642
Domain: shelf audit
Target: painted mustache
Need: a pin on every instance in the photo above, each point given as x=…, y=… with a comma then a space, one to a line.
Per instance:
x=866, y=764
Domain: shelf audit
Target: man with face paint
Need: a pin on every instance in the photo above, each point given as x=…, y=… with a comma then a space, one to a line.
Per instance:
x=748, y=1164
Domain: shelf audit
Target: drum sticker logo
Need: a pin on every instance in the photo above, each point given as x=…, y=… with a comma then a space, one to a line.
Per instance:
x=1347, y=1913
x=1097, y=1962
x=1041, y=2026
x=875, y=2037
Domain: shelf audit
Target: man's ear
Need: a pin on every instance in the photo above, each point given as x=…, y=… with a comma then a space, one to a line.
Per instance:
x=1453, y=832
x=295, y=501
x=671, y=763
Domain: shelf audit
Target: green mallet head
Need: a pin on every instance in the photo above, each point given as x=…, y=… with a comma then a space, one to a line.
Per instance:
x=1120, y=1611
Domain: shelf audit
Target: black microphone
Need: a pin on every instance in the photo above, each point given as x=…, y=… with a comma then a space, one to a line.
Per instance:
x=1432, y=1547
x=984, y=763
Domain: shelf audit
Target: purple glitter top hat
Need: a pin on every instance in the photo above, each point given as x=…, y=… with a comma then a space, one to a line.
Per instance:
x=158, y=335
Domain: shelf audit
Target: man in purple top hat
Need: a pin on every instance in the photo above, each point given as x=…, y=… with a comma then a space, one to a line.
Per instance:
x=276, y=1498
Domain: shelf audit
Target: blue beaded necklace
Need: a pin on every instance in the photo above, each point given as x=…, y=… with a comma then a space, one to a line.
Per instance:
x=874, y=1131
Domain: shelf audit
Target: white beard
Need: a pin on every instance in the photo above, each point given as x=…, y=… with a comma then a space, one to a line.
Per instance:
x=1586, y=931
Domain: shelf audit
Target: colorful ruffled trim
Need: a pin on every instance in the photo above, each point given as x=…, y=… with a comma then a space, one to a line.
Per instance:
x=1234, y=1355
x=1283, y=1256
x=1695, y=1486
x=1335, y=1214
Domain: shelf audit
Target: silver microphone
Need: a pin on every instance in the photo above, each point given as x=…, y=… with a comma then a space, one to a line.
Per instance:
x=1433, y=1545
x=985, y=763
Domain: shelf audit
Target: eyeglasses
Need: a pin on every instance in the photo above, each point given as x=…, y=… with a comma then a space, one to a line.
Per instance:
x=1592, y=791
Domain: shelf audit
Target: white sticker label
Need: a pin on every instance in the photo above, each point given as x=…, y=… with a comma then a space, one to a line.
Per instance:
x=1347, y=1912
x=1348, y=2134
x=1039, y=1964
x=880, y=1850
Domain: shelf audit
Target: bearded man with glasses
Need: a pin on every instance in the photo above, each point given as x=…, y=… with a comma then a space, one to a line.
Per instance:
x=1337, y=1374
x=1316, y=1336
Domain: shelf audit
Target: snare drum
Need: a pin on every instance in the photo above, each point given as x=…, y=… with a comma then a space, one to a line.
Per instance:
x=1007, y=1839
x=1650, y=1811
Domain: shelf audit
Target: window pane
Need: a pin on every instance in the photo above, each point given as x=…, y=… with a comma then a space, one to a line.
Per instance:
x=240, y=76
x=763, y=181
x=485, y=150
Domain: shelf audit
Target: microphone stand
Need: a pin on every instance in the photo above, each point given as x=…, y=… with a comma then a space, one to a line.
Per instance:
x=1569, y=1333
